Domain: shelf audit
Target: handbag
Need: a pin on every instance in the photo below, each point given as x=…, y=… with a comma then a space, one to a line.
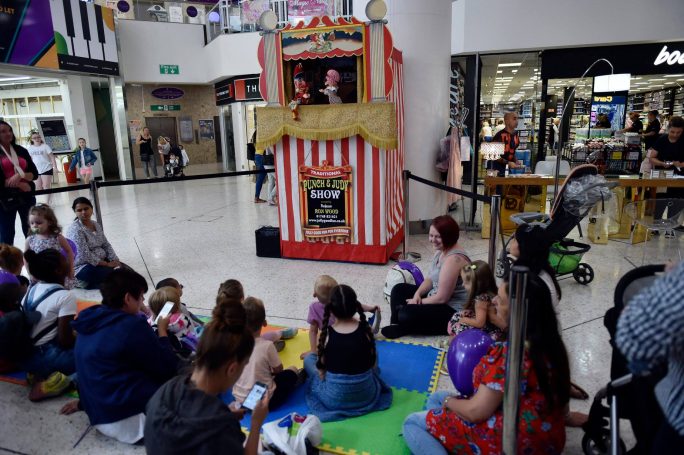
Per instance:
x=251, y=151
x=269, y=160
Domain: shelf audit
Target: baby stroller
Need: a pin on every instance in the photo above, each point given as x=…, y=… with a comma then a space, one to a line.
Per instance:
x=627, y=396
x=174, y=167
x=582, y=189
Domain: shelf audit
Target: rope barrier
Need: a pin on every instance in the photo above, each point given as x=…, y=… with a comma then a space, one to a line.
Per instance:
x=450, y=189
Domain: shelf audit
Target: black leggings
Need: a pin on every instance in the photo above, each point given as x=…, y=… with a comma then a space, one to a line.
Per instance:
x=428, y=319
x=285, y=382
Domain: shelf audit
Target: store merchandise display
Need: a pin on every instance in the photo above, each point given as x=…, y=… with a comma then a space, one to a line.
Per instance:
x=610, y=155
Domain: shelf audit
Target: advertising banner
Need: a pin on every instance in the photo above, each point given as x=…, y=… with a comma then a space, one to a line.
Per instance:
x=326, y=195
x=304, y=8
x=27, y=37
x=206, y=130
x=84, y=37
x=252, y=10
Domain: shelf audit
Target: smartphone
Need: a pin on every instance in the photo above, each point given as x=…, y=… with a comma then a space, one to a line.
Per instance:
x=168, y=306
x=255, y=395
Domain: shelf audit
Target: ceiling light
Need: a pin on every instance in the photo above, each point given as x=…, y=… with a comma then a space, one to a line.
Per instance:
x=509, y=64
x=499, y=72
x=653, y=80
x=514, y=71
x=673, y=75
x=20, y=78
x=28, y=83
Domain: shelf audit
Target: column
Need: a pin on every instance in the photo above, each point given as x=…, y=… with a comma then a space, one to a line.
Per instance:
x=422, y=31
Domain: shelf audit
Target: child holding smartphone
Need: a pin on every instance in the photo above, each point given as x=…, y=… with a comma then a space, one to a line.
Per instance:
x=264, y=365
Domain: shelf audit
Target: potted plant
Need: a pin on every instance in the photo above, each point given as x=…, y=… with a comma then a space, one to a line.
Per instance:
x=71, y=176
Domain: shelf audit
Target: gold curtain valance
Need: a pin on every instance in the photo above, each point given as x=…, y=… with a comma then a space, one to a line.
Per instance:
x=375, y=122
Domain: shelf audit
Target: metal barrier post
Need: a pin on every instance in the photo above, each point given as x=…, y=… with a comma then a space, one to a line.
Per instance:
x=516, y=344
x=404, y=245
x=495, y=204
x=95, y=198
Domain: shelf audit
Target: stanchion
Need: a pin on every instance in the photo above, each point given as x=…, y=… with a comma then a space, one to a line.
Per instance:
x=404, y=247
x=516, y=344
x=96, y=202
x=493, y=229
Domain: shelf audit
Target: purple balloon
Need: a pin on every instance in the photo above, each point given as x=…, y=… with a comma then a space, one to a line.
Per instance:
x=123, y=6
x=465, y=352
x=191, y=11
x=73, y=248
x=8, y=278
x=414, y=270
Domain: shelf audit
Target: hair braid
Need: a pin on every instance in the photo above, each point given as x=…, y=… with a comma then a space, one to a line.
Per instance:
x=322, y=339
x=368, y=330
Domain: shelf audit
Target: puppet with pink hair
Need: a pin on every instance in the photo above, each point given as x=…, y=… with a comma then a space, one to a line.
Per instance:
x=332, y=78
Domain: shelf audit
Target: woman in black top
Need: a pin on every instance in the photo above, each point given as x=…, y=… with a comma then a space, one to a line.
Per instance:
x=343, y=380
x=147, y=157
x=186, y=415
x=17, y=173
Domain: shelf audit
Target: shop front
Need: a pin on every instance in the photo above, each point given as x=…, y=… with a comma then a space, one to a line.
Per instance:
x=237, y=99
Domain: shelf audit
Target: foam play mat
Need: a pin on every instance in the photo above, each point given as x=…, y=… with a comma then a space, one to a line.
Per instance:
x=412, y=370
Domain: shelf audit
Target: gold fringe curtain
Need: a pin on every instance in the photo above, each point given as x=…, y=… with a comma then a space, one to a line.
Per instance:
x=375, y=122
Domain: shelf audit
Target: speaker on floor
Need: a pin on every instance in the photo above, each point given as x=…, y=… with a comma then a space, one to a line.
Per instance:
x=268, y=242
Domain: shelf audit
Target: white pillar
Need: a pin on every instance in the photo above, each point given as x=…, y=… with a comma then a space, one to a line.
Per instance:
x=422, y=31
x=79, y=110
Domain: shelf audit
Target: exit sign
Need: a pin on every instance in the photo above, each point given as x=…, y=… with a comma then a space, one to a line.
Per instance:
x=169, y=69
x=165, y=107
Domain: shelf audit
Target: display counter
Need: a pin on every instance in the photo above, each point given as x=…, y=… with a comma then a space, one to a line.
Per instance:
x=528, y=193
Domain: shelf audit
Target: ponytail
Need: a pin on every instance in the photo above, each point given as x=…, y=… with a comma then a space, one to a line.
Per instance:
x=369, y=331
x=225, y=338
x=323, y=338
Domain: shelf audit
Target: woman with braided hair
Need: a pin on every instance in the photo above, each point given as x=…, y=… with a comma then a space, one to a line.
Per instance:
x=186, y=414
x=343, y=378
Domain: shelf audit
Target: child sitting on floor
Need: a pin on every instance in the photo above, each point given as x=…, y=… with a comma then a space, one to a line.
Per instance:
x=343, y=378
x=264, y=365
x=186, y=332
x=322, y=288
x=479, y=281
x=46, y=233
x=174, y=283
x=233, y=290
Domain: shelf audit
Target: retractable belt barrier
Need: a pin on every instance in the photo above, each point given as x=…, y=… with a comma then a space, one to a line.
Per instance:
x=494, y=201
x=95, y=184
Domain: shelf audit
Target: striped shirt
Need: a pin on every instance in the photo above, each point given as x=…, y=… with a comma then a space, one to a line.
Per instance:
x=650, y=334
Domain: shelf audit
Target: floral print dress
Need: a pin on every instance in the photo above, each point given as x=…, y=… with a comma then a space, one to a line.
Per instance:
x=539, y=431
x=455, y=327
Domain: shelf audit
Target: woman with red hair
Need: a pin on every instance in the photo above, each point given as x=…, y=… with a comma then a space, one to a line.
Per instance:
x=427, y=309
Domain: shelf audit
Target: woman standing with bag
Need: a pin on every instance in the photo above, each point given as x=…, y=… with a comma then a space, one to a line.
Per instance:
x=147, y=156
x=16, y=187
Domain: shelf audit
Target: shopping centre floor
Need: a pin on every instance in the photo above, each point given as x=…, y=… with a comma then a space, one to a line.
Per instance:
x=202, y=232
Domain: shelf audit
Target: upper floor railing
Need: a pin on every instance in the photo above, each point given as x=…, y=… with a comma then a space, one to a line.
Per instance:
x=228, y=16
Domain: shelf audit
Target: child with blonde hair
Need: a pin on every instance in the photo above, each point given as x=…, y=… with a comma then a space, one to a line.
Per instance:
x=186, y=332
x=46, y=233
x=322, y=289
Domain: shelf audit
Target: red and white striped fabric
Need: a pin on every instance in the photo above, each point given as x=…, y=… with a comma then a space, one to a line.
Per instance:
x=371, y=240
x=395, y=158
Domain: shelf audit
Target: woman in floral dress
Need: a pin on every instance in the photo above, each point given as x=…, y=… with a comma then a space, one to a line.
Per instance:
x=474, y=425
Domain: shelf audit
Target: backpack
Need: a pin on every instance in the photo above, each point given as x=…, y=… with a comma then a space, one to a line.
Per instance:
x=402, y=272
x=16, y=342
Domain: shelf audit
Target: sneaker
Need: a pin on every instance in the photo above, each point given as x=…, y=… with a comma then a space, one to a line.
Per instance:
x=288, y=333
x=374, y=321
x=392, y=331
x=279, y=345
x=55, y=385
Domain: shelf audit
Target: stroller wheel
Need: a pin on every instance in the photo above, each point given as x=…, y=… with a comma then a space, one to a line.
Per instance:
x=503, y=266
x=583, y=274
x=591, y=447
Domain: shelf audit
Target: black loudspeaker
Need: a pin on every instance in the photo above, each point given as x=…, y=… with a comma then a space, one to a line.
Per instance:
x=267, y=242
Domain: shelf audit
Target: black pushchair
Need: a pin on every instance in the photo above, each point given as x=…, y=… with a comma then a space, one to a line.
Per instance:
x=581, y=190
x=627, y=396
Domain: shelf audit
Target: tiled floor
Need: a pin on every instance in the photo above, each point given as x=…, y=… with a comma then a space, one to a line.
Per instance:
x=202, y=232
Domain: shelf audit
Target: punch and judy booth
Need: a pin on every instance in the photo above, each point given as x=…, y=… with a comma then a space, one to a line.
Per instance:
x=334, y=122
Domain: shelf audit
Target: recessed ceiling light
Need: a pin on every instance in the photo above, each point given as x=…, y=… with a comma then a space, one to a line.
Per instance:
x=653, y=80
x=673, y=75
x=509, y=64
x=514, y=71
x=499, y=72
